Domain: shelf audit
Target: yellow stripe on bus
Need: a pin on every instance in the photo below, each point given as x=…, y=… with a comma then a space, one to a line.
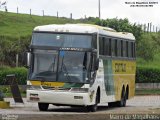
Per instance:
x=51, y=84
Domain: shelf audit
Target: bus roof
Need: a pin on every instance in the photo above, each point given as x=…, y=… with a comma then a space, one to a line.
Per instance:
x=84, y=28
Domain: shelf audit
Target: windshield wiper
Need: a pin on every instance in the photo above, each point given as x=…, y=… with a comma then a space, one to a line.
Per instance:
x=66, y=71
x=52, y=65
x=41, y=78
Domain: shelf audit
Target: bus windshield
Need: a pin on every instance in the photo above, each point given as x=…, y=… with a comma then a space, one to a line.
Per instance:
x=61, y=40
x=63, y=66
x=44, y=64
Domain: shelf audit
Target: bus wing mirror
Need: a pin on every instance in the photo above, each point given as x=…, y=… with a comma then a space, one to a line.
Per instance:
x=96, y=64
x=28, y=59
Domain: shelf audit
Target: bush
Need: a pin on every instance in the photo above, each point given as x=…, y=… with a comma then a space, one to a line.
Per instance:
x=147, y=75
x=20, y=73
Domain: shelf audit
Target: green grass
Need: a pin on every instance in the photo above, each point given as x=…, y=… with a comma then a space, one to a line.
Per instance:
x=149, y=64
x=148, y=92
x=23, y=24
x=7, y=91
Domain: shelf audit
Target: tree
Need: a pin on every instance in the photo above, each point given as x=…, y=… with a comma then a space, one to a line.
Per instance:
x=3, y=5
x=146, y=47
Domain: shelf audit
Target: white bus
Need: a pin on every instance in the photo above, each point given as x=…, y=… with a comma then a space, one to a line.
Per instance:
x=80, y=65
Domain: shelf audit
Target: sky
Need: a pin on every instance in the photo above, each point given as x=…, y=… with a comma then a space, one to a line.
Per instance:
x=80, y=8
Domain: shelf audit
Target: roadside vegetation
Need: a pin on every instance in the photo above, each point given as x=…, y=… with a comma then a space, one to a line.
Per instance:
x=147, y=92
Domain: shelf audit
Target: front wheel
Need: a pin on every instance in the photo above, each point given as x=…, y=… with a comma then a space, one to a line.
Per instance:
x=43, y=106
x=93, y=108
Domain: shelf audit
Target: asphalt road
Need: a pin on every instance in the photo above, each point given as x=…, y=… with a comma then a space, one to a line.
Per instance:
x=138, y=108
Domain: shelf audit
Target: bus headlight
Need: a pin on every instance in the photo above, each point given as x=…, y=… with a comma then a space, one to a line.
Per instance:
x=33, y=87
x=79, y=89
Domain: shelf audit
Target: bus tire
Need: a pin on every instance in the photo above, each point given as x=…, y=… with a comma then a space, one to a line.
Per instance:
x=93, y=108
x=43, y=106
x=112, y=104
x=122, y=102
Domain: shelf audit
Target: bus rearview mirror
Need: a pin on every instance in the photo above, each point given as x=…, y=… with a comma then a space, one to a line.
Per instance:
x=96, y=64
x=28, y=59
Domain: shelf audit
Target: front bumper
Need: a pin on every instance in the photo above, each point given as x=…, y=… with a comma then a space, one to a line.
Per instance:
x=59, y=97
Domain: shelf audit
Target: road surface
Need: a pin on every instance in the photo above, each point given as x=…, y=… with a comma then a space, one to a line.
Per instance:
x=138, y=108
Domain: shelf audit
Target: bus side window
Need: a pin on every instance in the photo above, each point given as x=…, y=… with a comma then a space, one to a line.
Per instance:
x=113, y=47
x=134, y=50
x=101, y=45
x=127, y=53
x=116, y=48
x=130, y=50
x=94, y=41
x=119, y=48
x=103, y=40
x=107, y=46
x=124, y=49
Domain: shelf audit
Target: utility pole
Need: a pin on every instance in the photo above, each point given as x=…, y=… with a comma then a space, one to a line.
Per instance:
x=17, y=56
x=17, y=10
x=99, y=8
x=30, y=12
x=151, y=27
x=148, y=28
x=43, y=13
x=144, y=27
x=71, y=16
x=57, y=14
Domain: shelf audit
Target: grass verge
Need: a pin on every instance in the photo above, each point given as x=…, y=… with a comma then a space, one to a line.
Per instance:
x=147, y=92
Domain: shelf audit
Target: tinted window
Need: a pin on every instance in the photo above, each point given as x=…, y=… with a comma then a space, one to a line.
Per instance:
x=101, y=46
x=133, y=49
x=107, y=47
x=129, y=50
x=61, y=40
x=116, y=48
x=119, y=47
x=127, y=53
x=94, y=41
x=124, y=49
x=113, y=47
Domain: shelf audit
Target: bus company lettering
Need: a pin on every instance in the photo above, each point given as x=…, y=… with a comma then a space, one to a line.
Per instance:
x=120, y=67
x=45, y=84
x=73, y=49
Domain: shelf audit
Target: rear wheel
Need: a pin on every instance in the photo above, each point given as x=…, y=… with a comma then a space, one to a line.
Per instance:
x=122, y=102
x=43, y=106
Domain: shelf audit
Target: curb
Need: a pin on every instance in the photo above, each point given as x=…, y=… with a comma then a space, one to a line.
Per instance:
x=4, y=105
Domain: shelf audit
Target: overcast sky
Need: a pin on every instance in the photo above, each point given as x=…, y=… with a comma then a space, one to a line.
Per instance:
x=80, y=8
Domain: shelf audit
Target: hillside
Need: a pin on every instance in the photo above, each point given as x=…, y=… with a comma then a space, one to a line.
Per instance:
x=22, y=24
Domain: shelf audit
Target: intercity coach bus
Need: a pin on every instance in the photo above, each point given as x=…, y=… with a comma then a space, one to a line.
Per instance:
x=80, y=65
